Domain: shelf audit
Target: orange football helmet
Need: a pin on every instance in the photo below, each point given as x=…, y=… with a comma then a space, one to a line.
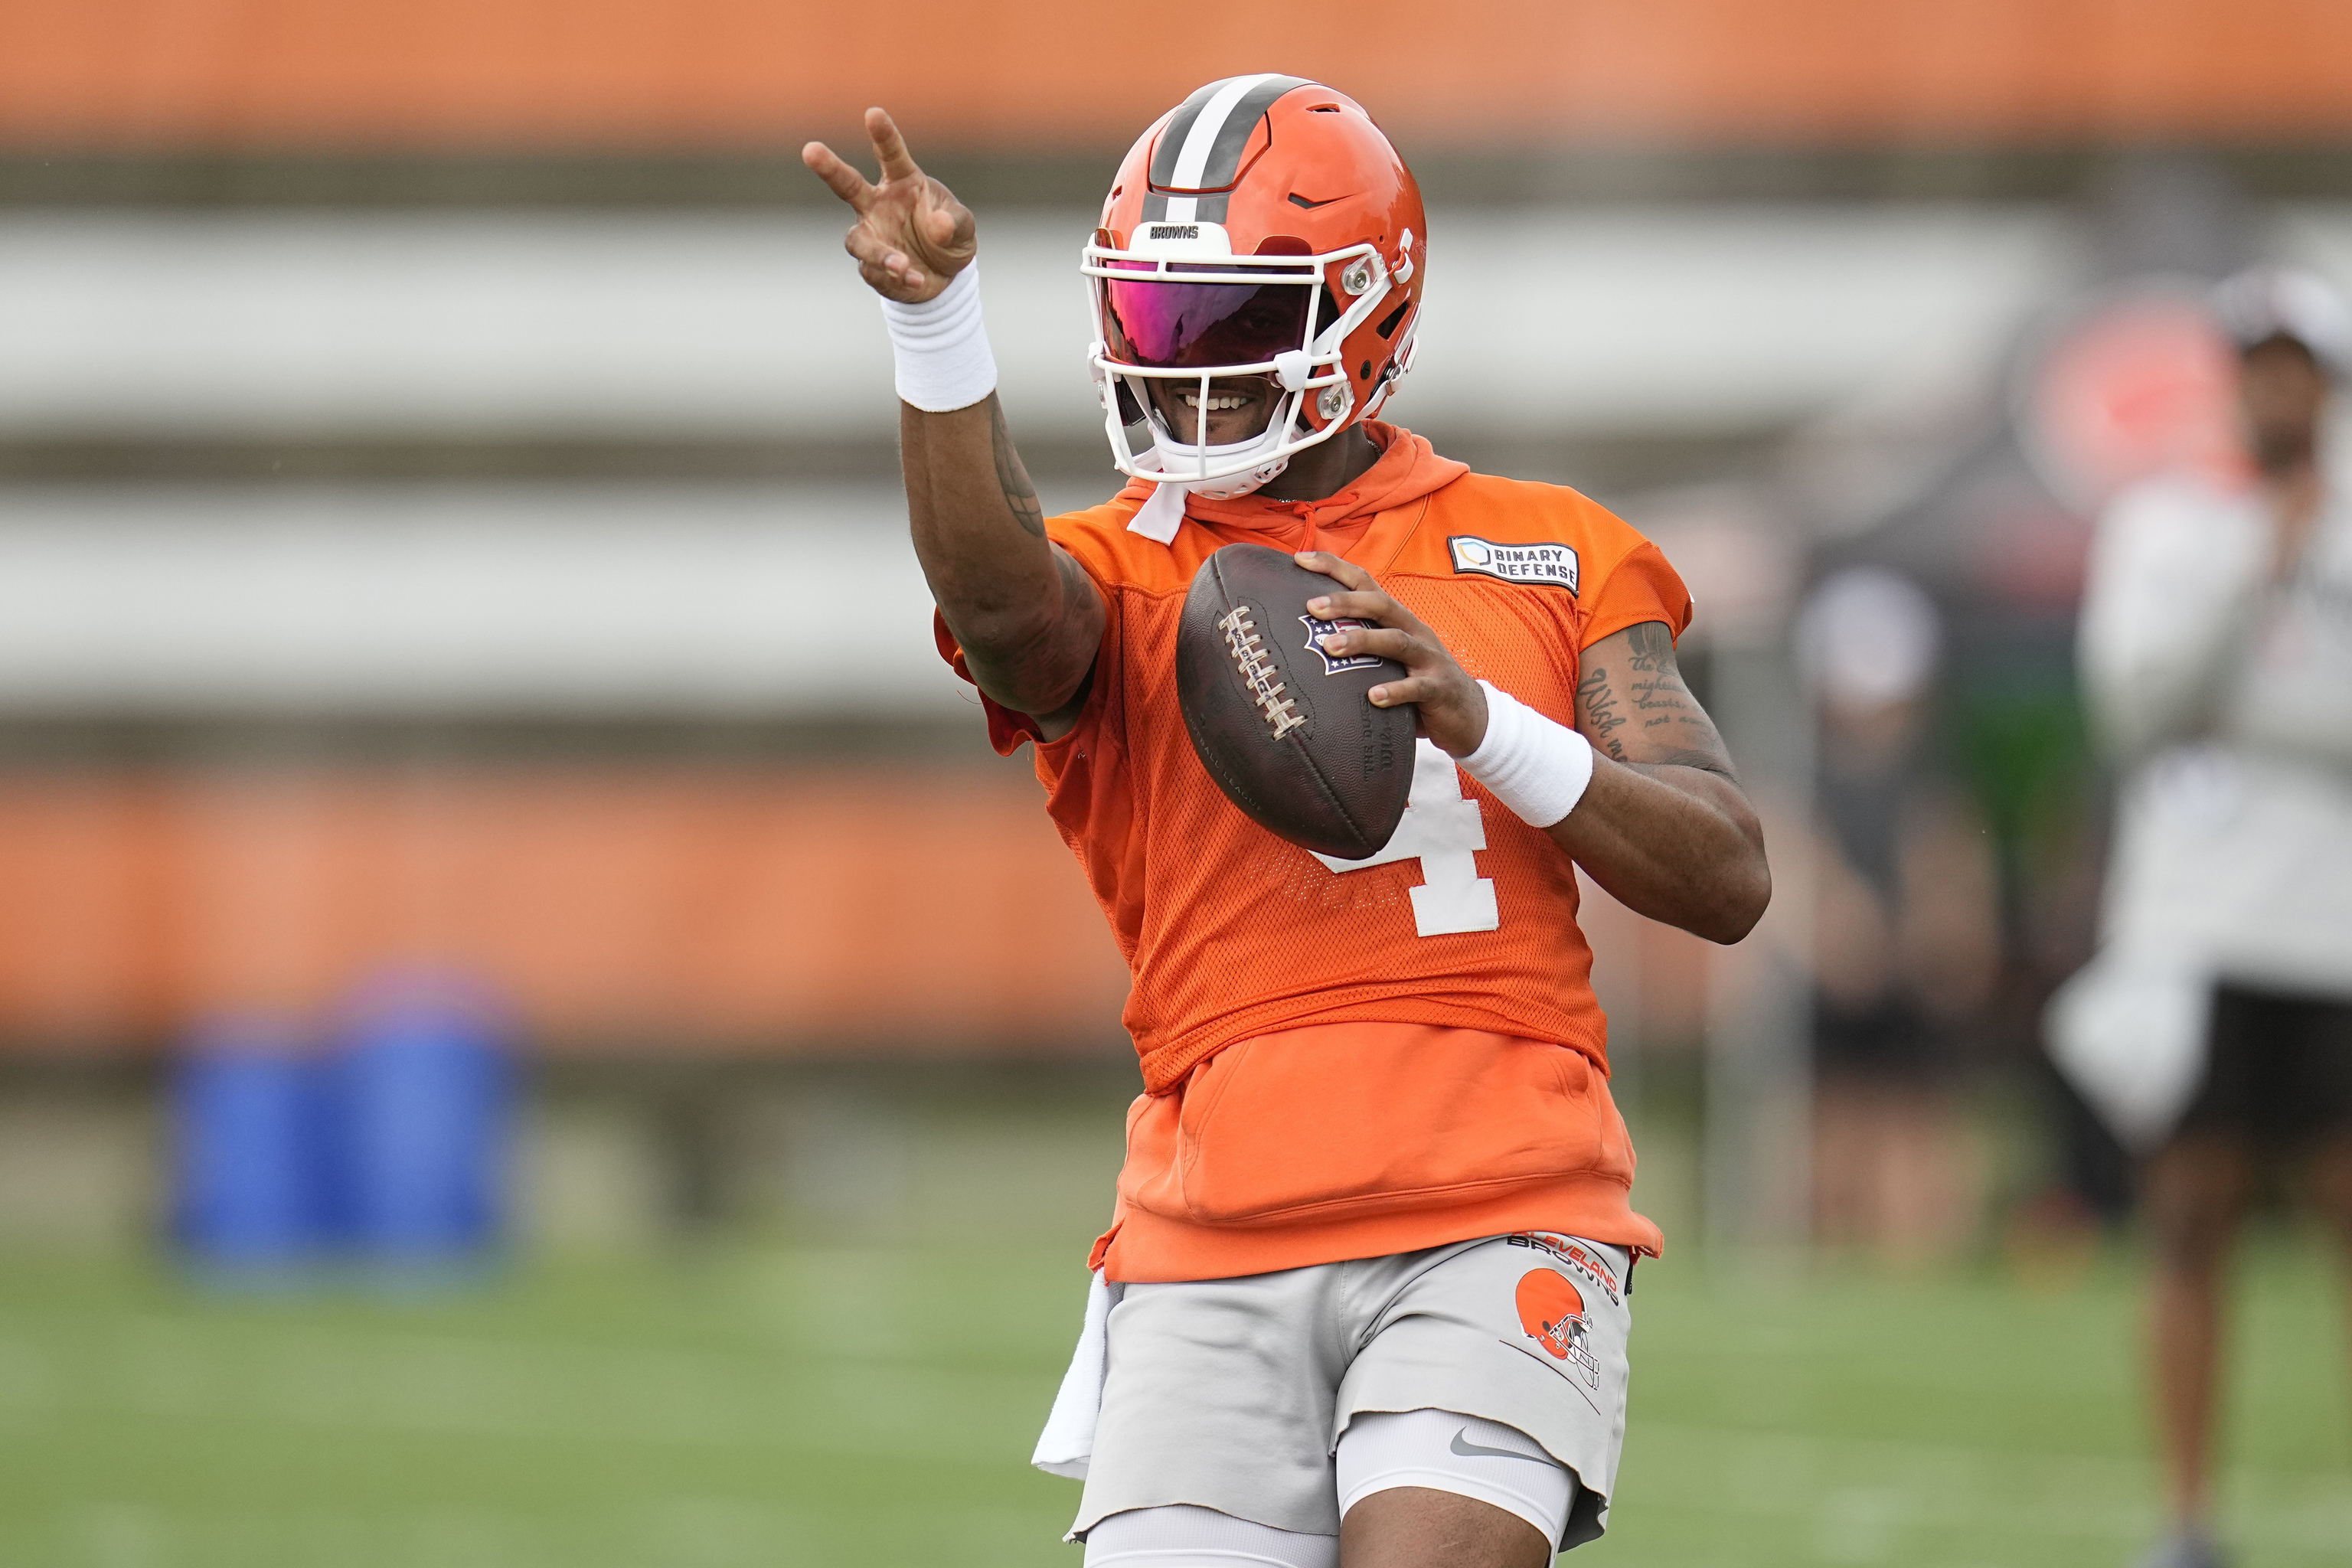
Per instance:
x=1262, y=226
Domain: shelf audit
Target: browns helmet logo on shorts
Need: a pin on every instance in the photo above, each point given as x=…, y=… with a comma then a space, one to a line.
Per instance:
x=1552, y=1311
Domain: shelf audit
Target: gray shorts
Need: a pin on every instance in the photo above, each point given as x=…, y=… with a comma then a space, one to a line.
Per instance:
x=1231, y=1394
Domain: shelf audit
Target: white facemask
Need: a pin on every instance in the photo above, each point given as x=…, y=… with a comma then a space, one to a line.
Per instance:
x=1229, y=486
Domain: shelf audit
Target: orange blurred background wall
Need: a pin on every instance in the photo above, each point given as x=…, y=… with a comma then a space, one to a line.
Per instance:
x=1478, y=72
x=622, y=909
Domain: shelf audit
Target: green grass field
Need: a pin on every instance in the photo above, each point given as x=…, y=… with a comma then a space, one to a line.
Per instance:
x=784, y=1405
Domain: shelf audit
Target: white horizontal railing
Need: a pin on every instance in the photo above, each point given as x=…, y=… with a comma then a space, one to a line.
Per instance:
x=548, y=600
x=520, y=325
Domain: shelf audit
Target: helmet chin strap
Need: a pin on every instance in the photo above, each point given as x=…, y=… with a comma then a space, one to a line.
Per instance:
x=1162, y=514
x=1174, y=458
x=1233, y=485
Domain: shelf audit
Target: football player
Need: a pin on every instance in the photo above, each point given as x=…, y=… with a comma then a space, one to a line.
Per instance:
x=1364, y=1294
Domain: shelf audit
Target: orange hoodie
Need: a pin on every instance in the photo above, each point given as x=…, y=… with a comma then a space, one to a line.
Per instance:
x=1350, y=1061
x=1407, y=469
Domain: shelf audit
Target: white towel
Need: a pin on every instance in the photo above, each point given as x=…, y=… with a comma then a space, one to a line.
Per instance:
x=2128, y=1031
x=1162, y=514
x=1068, y=1443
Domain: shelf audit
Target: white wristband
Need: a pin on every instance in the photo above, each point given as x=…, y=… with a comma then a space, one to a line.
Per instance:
x=1535, y=765
x=941, y=346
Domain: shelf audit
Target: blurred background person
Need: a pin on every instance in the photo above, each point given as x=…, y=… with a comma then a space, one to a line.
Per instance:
x=2216, y=646
x=1906, y=935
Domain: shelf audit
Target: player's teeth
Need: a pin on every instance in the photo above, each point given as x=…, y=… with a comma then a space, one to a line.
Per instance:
x=1217, y=403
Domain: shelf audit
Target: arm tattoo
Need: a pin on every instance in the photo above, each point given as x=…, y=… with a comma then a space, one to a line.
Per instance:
x=1672, y=729
x=1020, y=495
x=1600, y=704
x=1651, y=648
x=1038, y=665
x=1656, y=687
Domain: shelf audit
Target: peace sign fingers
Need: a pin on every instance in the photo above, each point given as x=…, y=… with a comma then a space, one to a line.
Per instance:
x=911, y=234
x=838, y=176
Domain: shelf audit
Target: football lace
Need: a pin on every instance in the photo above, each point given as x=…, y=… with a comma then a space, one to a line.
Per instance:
x=1257, y=672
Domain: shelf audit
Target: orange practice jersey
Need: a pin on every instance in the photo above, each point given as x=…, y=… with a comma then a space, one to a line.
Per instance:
x=1405, y=1050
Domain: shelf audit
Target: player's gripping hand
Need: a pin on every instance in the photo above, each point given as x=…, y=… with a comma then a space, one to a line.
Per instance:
x=911, y=234
x=1453, y=707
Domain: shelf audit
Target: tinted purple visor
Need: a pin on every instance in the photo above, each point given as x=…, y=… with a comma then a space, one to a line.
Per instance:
x=1160, y=322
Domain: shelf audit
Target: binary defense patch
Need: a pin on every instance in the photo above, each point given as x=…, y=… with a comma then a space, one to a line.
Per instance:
x=1549, y=566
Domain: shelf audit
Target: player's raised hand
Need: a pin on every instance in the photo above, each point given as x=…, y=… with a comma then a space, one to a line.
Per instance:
x=911, y=234
x=1453, y=707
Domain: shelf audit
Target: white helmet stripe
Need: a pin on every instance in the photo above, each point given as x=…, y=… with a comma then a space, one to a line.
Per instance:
x=1193, y=157
x=1207, y=144
x=1192, y=161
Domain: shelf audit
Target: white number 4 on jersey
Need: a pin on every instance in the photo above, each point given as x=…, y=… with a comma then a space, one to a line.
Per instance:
x=1441, y=829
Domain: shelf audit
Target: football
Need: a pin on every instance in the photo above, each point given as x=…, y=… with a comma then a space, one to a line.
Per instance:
x=1284, y=729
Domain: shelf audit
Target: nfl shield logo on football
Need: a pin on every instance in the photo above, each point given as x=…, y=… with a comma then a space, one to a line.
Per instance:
x=1317, y=630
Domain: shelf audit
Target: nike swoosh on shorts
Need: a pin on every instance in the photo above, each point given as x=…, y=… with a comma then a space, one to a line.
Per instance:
x=1469, y=1450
